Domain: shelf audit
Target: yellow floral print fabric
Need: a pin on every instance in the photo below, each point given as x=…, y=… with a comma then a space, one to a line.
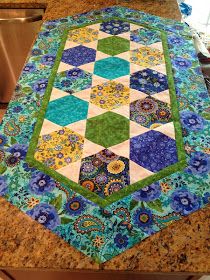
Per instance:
x=59, y=148
x=147, y=56
x=110, y=95
x=83, y=35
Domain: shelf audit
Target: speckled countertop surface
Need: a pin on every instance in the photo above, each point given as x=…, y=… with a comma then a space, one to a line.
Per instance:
x=182, y=247
x=62, y=8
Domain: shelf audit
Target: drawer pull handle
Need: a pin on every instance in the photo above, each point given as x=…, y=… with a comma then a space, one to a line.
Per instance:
x=21, y=19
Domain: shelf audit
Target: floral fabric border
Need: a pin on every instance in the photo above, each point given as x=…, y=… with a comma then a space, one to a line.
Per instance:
x=103, y=233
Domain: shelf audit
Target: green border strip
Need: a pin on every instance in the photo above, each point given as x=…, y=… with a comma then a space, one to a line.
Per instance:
x=103, y=202
x=174, y=108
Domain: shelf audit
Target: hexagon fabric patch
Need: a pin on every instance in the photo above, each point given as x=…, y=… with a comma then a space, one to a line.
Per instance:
x=83, y=35
x=78, y=55
x=146, y=56
x=149, y=81
x=110, y=95
x=150, y=112
x=115, y=27
x=111, y=68
x=106, y=139
x=59, y=148
x=104, y=173
x=145, y=36
x=113, y=45
x=73, y=80
x=107, y=129
x=66, y=110
x=153, y=150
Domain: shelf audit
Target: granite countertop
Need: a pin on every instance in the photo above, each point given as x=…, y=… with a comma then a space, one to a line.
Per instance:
x=181, y=247
x=63, y=8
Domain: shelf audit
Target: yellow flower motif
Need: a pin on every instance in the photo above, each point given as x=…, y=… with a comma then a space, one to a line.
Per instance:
x=98, y=241
x=113, y=186
x=22, y=118
x=116, y=166
x=155, y=125
x=32, y=202
x=165, y=187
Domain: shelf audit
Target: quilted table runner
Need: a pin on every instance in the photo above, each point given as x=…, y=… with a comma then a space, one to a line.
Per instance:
x=106, y=139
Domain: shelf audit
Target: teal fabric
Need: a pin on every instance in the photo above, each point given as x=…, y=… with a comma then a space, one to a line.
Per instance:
x=111, y=68
x=66, y=110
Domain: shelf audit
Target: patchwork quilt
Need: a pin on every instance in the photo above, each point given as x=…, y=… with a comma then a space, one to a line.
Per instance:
x=106, y=140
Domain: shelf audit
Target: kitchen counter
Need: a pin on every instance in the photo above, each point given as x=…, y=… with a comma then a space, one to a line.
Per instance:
x=63, y=8
x=181, y=247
